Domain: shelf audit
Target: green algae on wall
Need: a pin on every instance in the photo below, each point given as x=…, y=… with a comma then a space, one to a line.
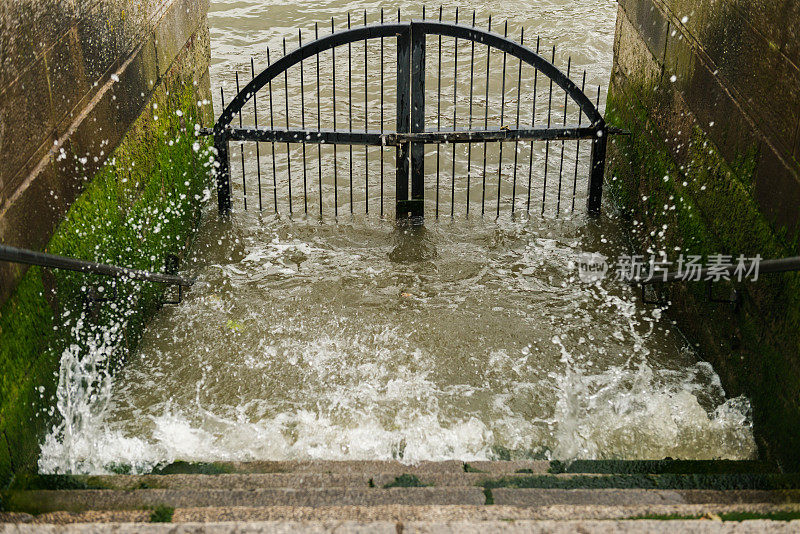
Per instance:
x=143, y=205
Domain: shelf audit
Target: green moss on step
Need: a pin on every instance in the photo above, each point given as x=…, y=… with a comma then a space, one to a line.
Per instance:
x=25, y=481
x=194, y=468
x=725, y=516
x=469, y=469
x=755, y=481
x=656, y=467
x=162, y=514
x=405, y=481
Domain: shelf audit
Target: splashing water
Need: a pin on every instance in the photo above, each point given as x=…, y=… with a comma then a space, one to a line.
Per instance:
x=326, y=341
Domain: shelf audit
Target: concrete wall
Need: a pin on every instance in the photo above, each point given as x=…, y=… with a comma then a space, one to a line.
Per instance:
x=101, y=161
x=710, y=90
x=74, y=76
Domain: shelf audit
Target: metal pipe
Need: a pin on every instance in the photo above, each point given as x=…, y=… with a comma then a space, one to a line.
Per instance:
x=764, y=267
x=52, y=261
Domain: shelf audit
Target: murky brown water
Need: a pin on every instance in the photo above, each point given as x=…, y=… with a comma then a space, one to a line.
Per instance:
x=471, y=339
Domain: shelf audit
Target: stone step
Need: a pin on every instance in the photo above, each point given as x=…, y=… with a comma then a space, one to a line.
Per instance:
x=39, y=501
x=427, y=527
x=623, y=497
x=282, y=480
x=340, y=466
x=495, y=467
x=368, y=479
x=405, y=513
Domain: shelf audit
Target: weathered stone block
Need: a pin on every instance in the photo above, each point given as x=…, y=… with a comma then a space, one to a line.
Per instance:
x=765, y=82
x=777, y=189
x=633, y=58
x=718, y=113
x=25, y=123
x=27, y=29
x=777, y=20
x=650, y=23
x=67, y=79
x=175, y=29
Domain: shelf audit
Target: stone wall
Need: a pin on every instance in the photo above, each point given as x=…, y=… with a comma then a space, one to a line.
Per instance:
x=710, y=91
x=99, y=102
x=74, y=76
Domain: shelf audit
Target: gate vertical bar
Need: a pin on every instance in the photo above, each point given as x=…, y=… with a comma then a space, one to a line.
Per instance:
x=350, y=107
x=403, y=119
x=288, y=147
x=598, y=166
x=417, y=151
x=258, y=152
x=438, y=114
x=241, y=147
x=223, y=169
x=455, y=108
x=223, y=173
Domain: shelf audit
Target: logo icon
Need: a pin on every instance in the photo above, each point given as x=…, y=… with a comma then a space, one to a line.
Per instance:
x=592, y=267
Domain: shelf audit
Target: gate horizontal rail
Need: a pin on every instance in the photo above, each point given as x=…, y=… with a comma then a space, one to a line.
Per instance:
x=443, y=136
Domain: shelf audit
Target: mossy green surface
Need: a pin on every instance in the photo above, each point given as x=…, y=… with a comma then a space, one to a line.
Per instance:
x=680, y=195
x=658, y=467
x=726, y=516
x=405, y=481
x=162, y=514
x=755, y=481
x=470, y=469
x=193, y=468
x=142, y=205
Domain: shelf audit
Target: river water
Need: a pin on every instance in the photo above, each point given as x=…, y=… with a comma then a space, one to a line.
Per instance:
x=470, y=339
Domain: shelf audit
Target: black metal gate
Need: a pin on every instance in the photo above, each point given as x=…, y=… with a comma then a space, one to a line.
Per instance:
x=410, y=134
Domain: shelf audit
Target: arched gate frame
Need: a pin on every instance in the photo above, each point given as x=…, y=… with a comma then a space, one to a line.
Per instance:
x=411, y=135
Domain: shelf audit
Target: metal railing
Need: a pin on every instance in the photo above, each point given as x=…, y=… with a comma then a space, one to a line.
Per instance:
x=780, y=265
x=53, y=261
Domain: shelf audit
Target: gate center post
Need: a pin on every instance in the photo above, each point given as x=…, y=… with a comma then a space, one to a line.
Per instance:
x=410, y=118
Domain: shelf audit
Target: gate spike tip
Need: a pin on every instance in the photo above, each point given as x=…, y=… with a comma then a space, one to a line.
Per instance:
x=365, y=17
x=398, y=14
x=490, y=22
x=505, y=29
x=381, y=15
x=473, y=18
x=284, y=46
x=348, y=20
x=456, y=14
x=423, y=11
x=316, y=31
x=299, y=37
x=332, y=26
x=440, y=13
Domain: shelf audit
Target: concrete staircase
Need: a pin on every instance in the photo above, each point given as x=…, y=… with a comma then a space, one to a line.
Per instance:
x=322, y=496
